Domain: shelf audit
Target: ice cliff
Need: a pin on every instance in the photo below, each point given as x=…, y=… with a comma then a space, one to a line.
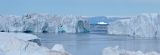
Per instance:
x=144, y=25
x=41, y=23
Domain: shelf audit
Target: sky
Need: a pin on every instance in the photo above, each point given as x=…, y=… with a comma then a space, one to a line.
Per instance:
x=80, y=7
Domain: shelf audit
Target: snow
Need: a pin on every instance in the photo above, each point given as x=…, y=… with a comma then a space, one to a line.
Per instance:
x=117, y=51
x=144, y=25
x=10, y=45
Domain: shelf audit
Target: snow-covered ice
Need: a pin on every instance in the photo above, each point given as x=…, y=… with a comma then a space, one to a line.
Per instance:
x=117, y=51
x=10, y=45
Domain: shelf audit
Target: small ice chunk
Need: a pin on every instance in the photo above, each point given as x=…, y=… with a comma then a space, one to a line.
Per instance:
x=58, y=47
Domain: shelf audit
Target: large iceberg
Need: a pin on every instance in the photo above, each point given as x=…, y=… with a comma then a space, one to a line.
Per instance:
x=117, y=51
x=42, y=23
x=10, y=45
x=144, y=25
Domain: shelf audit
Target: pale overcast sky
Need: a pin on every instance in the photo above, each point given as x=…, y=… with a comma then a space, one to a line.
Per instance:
x=80, y=7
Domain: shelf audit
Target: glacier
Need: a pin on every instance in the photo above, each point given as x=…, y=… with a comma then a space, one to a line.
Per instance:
x=10, y=45
x=117, y=51
x=144, y=25
x=35, y=22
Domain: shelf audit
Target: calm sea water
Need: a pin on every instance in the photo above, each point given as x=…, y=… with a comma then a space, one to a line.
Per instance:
x=93, y=44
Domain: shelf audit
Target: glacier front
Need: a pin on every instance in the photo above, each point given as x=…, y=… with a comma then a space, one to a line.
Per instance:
x=42, y=23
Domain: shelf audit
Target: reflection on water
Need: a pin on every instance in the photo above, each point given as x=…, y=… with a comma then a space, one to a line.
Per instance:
x=93, y=44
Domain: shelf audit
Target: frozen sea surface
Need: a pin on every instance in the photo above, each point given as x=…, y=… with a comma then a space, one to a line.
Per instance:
x=93, y=44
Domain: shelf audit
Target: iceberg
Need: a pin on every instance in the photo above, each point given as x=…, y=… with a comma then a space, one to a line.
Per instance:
x=13, y=46
x=117, y=51
x=144, y=25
